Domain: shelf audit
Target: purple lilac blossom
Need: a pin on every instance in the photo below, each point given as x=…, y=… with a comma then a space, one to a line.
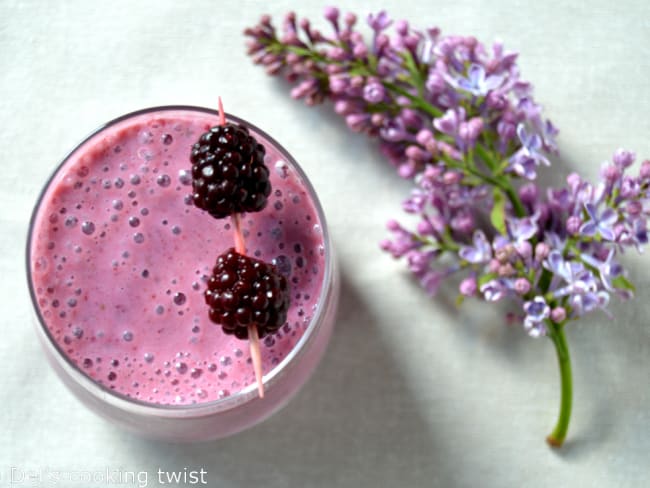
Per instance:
x=458, y=119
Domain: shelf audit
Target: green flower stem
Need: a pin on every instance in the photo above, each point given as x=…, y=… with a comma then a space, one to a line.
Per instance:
x=556, y=334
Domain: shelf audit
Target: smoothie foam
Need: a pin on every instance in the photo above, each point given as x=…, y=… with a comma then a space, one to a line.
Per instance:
x=119, y=258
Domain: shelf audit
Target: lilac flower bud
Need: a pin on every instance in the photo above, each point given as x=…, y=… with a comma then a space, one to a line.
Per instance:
x=494, y=265
x=357, y=122
x=624, y=158
x=468, y=286
x=610, y=173
x=424, y=136
x=292, y=59
x=407, y=170
x=416, y=154
x=506, y=130
x=344, y=107
x=332, y=14
x=528, y=193
x=338, y=84
x=410, y=118
x=504, y=253
x=306, y=87
x=558, y=315
x=522, y=286
x=452, y=177
x=432, y=172
x=357, y=81
x=385, y=244
x=337, y=53
x=496, y=100
x=574, y=181
x=463, y=224
x=382, y=42
x=411, y=42
x=350, y=19
x=377, y=119
x=418, y=261
x=374, y=92
x=425, y=228
x=573, y=224
x=360, y=50
x=542, y=250
x=630, y=187
x=645, y=170
x=393, y=225
x=435, y=83
x=332, y=69
x=402, y=27
x=476, y=125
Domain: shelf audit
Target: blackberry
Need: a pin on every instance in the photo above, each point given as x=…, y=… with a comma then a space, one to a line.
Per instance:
x=243, y=291
x=228, y=172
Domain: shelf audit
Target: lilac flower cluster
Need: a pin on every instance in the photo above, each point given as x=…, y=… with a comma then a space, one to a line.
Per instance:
x=426, y=96
x=457, y=118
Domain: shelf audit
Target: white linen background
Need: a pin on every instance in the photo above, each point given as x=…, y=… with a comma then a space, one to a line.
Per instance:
x=412, y=392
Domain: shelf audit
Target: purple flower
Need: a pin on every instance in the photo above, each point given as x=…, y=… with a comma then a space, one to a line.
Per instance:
x=480, y=252
x=374, y=92
x=379, y=22
x=578, y=279
x=623, y=158
x=521, y=230
x=528, y=157
x=608, y=269
x=588, y=302
x=495, y=290
x=450, y=121
x=537, y=310
x=477, y=83
x=468, y=286
x=420, y=261
x=404, y=241
x=602, y=224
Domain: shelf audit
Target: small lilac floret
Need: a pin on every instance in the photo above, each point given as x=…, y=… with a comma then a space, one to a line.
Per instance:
x=602, y=224
x=537, y=310
x=477, y=83
x=480, y=252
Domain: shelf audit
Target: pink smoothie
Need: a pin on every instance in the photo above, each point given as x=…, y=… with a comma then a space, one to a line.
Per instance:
x=119, y=260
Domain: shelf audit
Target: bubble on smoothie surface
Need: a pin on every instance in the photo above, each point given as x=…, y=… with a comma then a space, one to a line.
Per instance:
x=163, y=180
x=87, y=227
x=71, y=221
x=282, y=169
x=185, y=177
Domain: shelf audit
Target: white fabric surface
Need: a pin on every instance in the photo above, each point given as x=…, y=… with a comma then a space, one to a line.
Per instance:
x=412, y=391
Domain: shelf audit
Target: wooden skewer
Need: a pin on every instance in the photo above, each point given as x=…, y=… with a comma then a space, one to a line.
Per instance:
x=240, y=247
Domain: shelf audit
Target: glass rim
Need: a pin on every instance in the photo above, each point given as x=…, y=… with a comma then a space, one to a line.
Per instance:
x=249, y=392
